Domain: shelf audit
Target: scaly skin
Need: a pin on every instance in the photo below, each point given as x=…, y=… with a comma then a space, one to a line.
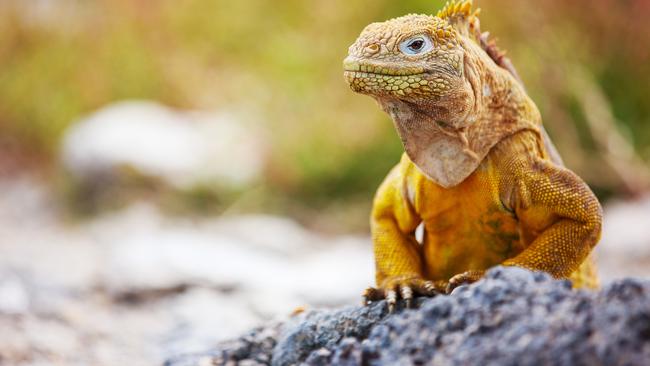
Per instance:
x=478, y=173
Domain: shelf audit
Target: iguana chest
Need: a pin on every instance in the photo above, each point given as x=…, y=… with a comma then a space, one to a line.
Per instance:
x=467, y=226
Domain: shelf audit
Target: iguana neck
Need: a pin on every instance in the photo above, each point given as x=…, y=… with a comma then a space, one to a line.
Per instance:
x=499, y=97
x=447, y=151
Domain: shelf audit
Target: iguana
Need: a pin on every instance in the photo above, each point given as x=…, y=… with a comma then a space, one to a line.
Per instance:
x=479, y=173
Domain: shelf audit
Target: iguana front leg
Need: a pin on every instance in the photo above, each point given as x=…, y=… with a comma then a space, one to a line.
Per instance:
x=555, y=208
x=398, y=256
x=559, y=207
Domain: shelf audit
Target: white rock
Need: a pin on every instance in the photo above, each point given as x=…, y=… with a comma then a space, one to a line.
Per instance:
x=14, y=298
x=240, y=252
x=202, y=317
x=626, y=228
x=184, y=149
x=624, y=249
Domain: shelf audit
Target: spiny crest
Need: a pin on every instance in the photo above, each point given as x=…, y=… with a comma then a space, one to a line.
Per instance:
x=459, y=14
x=456, y=8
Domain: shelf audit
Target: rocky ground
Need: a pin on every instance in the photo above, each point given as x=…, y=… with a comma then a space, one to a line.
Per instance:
x=513, y=317
x=136, y=287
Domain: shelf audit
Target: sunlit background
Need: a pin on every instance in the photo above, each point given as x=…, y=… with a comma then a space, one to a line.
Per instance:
x=175, y=172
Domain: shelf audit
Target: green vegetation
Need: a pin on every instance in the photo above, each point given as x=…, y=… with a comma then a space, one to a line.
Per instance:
x=282, y=61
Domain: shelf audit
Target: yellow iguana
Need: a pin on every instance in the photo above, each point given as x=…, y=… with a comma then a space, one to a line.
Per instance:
x=479, y=172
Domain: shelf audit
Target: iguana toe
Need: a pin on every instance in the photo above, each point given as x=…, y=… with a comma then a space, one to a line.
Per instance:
x=401, y=288
x=464, y=279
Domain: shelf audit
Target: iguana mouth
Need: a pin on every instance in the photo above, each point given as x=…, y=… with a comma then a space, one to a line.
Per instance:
x=354, y=66
x=367, y=74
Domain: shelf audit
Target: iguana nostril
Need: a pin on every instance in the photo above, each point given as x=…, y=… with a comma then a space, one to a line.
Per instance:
x=372, y=48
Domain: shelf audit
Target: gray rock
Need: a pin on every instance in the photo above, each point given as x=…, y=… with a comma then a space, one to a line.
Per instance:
x=254, y=348
x=512, y=317
x=324, y=330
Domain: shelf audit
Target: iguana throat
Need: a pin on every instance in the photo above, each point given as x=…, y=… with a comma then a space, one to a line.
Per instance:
x=444, y=156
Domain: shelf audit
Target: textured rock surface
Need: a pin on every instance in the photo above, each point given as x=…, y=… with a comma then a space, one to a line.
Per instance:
x=514, y=317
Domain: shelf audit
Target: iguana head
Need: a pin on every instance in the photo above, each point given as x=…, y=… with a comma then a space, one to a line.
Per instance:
x=440, y=86
x=414, y=58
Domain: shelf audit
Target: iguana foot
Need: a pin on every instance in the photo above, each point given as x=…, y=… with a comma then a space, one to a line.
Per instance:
x=404, y=288
x=464, y=278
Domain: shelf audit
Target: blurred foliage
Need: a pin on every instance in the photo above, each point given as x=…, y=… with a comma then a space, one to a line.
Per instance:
x=60, y=60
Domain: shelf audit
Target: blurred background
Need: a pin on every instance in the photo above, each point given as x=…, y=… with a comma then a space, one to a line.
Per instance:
x=175, y=172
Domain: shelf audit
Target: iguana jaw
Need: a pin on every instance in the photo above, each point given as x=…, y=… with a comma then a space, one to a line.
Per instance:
x=387, y=80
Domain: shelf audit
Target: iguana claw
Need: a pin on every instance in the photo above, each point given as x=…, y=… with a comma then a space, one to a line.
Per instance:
x=463, y=279
x=401, y=288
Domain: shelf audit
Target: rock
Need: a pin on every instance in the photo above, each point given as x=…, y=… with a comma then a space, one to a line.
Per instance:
x=512, y=317
x=183, y=149
x=254, y=348
x=14, y=296
x=323, y=330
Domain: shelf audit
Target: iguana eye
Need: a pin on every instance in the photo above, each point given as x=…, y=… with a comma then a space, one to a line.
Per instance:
x=416, y=45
